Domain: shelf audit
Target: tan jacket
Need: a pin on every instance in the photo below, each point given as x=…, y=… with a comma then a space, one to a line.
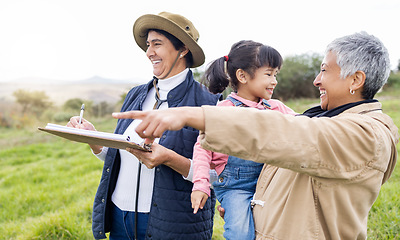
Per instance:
x=322, y=174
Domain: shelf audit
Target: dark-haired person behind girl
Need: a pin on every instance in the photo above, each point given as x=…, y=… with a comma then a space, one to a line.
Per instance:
x=250, y=68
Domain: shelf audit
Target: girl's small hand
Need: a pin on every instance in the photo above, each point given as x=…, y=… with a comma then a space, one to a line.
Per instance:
x=199, y=199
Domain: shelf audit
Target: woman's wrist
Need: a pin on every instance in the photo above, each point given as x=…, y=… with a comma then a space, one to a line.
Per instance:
x=193, y=117
x=172, y=158
x=177, y=162
x=96, y=149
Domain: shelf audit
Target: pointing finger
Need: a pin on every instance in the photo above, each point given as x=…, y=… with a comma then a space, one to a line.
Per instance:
x=130, y=114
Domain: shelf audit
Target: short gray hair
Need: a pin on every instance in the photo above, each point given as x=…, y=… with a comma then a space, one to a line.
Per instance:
x=362, y=52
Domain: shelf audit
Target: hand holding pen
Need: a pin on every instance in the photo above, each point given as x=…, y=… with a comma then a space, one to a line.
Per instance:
x=81, y=114
x=80, y=122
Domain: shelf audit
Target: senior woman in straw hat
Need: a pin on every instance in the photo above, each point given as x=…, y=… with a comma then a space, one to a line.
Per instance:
x=146, y=195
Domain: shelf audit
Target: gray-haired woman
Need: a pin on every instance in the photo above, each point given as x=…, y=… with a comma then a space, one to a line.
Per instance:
x=323, y=169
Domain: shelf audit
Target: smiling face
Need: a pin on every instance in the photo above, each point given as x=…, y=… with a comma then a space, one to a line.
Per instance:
x=162, y=55
x=334, y=90
x=260, y=86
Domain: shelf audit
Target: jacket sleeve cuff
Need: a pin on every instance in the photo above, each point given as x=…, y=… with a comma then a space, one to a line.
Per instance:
x=102, y=155
x=190, y=175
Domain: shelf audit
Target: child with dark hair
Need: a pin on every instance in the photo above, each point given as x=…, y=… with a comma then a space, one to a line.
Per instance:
x=250, y=69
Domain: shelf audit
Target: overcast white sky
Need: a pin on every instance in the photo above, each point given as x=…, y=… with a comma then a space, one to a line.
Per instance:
x=77, y=39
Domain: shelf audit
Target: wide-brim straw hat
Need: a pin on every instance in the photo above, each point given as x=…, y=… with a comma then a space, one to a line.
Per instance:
x=175, y=24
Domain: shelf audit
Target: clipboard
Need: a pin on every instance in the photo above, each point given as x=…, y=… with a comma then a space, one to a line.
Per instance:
x=92, y=137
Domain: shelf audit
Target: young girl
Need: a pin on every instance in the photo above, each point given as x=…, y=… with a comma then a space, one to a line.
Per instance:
x=250, y=69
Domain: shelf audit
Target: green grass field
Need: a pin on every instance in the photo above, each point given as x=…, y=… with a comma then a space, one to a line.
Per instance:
x=47, y=184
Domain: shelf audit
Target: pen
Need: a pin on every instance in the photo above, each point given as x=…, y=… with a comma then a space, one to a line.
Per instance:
x=81, y=114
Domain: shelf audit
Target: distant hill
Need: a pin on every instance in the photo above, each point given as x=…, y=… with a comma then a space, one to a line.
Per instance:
x=91, y=80
x=100, y=80
x=96, y=89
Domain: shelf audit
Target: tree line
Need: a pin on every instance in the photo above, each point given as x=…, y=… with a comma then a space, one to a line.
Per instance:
x=294, y=82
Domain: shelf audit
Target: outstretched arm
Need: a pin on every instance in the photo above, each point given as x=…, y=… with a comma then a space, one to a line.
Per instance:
x=155, y=122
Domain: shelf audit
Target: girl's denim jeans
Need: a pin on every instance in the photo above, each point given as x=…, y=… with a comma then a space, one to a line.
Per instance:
x=234, y=189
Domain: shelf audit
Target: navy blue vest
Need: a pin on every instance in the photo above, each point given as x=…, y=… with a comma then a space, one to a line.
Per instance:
x=171, y=214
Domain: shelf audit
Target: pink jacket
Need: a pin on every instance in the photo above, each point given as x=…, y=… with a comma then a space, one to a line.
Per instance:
x=204, y=160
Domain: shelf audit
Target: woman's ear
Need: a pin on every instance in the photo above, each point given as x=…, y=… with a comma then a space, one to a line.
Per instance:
x=241, y=76
x=358, y=80
x=184, y=50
